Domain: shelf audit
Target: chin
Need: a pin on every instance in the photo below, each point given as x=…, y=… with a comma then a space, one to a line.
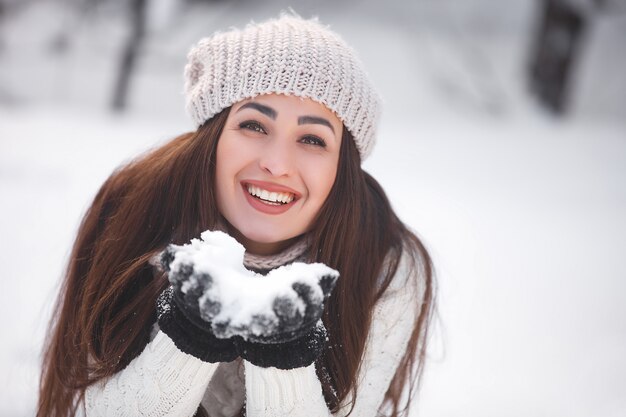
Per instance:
x=263, y=235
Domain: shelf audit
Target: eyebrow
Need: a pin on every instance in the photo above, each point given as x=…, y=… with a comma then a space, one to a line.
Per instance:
x=315, y=120
x=266, y=110
x=271, y=113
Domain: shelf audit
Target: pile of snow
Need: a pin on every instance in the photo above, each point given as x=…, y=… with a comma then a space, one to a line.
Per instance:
x=239, y=302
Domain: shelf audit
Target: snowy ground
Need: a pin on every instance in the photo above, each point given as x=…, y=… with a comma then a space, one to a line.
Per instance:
x=523, y=213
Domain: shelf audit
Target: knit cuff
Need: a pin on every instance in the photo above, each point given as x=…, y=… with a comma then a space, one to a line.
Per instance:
x=164, y=351
x=272, y=389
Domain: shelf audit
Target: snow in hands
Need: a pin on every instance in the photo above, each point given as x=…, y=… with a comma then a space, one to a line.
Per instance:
x=209, y=276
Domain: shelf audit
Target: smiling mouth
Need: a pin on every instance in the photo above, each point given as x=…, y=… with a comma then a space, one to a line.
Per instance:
x=272, y=198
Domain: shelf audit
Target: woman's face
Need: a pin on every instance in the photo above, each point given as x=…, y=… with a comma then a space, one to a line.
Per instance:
x=277, y=160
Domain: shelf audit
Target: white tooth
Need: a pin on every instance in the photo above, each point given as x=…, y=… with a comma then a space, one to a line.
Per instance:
x=272, y=196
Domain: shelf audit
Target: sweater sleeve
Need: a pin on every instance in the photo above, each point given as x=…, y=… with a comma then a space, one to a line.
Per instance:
x=272, y=392
x=161, y=381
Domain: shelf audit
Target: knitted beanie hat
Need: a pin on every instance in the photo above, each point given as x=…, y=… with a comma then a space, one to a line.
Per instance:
x=288, y=55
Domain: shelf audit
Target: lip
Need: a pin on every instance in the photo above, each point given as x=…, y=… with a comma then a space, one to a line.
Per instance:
x=267, y=208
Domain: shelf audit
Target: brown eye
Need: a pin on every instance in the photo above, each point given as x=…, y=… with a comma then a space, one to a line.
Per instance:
x=313, y=140
x=253, y=126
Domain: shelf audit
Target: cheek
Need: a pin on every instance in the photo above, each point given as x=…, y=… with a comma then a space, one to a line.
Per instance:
x=320, y=181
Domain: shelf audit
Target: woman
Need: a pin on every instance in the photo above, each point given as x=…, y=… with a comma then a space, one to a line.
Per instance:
x=286, y=114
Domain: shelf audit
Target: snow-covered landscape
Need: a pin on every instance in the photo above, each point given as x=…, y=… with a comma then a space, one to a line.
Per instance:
x=523, y=211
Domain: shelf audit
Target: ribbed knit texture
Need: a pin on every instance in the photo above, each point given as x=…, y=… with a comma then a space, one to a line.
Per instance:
x=283, y=393
x=288, y=55
x=267, y=262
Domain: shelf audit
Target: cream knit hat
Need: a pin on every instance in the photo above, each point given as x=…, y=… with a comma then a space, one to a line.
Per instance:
x=288, y=55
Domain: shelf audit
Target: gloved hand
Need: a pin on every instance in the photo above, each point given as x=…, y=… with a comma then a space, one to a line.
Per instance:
x=178, y=312
x=273, y=320
x=299, y=336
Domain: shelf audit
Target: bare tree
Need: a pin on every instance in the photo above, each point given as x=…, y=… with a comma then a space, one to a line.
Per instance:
x=558, y=47
x=130, y=53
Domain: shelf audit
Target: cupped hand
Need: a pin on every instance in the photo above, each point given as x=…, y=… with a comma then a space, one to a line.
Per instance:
x=212, y=286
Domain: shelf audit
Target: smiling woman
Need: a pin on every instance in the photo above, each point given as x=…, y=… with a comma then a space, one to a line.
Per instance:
x=250, y=267
x=276, y=164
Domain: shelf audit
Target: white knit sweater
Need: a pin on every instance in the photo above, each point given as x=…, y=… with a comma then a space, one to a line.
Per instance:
x=163, y=381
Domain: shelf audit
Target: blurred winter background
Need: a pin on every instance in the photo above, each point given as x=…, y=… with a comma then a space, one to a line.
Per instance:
x=503, y=143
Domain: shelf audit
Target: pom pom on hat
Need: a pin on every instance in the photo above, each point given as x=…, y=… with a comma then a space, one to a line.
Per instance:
x=288, y=55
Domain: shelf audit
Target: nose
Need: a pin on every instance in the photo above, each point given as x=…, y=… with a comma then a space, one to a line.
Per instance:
x=277, y=158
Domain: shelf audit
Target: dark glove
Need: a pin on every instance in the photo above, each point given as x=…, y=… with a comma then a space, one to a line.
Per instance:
x=298, y=339
x=271, y=320
x=178, y=312
x=296, y=353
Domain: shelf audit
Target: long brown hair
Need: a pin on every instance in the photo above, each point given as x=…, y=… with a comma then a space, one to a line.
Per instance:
x=105, y=309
